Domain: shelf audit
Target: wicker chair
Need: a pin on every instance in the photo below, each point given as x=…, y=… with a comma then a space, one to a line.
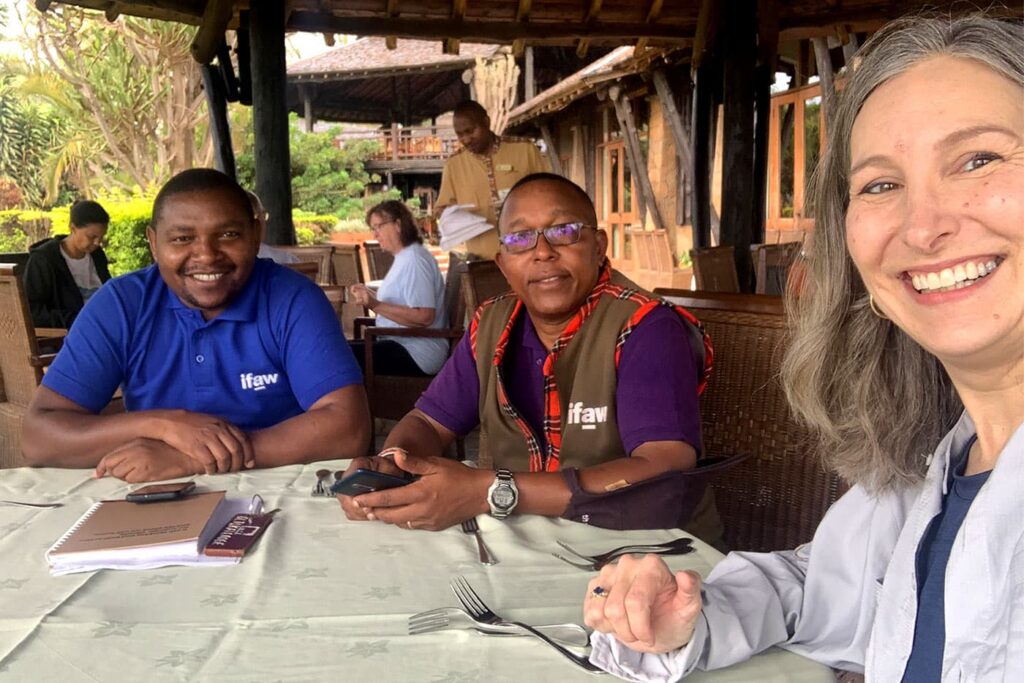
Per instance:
x=21, y=363
x=715, y=269
x=776, y=498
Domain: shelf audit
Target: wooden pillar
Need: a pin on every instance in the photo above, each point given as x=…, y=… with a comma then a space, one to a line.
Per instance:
x=738, y=194
x=308, y=121
x=703, y=133
x=828, y=89
x=549, y=142
x=529, y=84
x=684, y=152
x=637, y=162
x=270, y=119
x=589, y=161
x=244, y=55
x=220, y=132
x=394, y=141
x=764, y=76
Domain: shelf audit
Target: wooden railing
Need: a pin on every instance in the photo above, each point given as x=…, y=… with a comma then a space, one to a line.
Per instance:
x=397, y=143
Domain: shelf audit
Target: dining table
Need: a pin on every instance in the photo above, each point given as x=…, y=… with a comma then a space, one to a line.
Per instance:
x=319, y=597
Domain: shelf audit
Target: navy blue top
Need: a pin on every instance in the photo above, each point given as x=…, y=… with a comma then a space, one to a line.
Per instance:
x=925, y=663
x=270, y=355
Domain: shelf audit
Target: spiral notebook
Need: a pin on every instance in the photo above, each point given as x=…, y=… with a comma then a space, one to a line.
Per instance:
x=117, y=534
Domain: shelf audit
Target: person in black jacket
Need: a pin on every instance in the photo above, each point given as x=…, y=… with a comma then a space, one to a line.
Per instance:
x=63, y=272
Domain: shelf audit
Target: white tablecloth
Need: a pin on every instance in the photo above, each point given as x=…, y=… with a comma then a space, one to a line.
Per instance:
x=320, y=598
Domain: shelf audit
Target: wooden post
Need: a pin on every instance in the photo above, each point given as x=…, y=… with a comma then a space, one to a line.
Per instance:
x=306, y=92
x=394, y=140
x=549, y=142
x=637, y=162
x=702, y=131
x=244, y=56
x=220, y=131
x=270, y=119
x=529, y=85
x=828, y=89
x=589, y=161
x=764, y=76
x=738, y=135
x=684, y=150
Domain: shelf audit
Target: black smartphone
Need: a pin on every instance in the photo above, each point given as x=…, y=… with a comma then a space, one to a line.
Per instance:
x=365, y=481
x=157, y=492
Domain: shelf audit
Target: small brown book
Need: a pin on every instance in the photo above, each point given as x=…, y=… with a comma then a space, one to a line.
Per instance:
x=117, y=531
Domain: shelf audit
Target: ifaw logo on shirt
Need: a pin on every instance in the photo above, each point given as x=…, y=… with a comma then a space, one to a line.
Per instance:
x=587, y=418
x=257, y=382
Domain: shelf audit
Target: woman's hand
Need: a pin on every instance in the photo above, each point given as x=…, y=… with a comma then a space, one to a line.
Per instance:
x=362, y=296
x=643, y=605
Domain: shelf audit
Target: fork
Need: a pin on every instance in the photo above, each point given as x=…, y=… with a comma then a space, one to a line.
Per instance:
x=471, y=527
x=480, y=612
x=680, y=546
x=442, y=618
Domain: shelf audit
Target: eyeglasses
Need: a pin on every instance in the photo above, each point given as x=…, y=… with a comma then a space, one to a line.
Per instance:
x=561, y=235
x=378, y=226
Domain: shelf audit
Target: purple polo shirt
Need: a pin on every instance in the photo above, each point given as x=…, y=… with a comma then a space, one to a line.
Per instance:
x=655, y=396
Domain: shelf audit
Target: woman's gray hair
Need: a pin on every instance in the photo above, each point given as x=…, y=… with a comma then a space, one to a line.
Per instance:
x=876, y=401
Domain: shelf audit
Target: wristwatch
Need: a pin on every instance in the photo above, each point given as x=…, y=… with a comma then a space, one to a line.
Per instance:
x=503, y=496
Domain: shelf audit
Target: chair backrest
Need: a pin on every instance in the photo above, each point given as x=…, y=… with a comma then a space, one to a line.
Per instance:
x=18, y=345
x=454, y=300
x=773, y=262
x=320, y=254
x=310, y=269
x=483, y=280
x=378, y=261
x=775, y=499
x=715, y=269
x=347, y=269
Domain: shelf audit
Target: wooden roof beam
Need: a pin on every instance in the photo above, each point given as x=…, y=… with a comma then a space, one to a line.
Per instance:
x=451, y=46
x=670, y=34
x=522, y=16
x=211, y=30
x=391, y=42
x=593, y=9
x=653, y=10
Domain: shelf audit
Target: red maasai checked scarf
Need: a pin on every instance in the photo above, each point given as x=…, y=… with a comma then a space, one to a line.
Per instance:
x=541, y=461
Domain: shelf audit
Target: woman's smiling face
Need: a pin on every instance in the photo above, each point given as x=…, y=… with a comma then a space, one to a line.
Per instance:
x=935, y=223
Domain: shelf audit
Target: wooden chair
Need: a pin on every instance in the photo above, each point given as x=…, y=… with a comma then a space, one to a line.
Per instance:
x=729, y=301
x=776, y=498
x=21, y=363
x=483, y=280
x=321, y=255
x=392, y=396
x=308, y=268
x=715, y=269
x=378, y=261
x=773, y=262
x=346, y=269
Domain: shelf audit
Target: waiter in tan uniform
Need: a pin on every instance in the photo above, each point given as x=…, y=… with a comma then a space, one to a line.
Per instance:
x=482, y=172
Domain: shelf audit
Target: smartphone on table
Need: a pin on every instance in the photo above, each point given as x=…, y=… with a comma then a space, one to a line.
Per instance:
x=158, y=492
x=364, y=481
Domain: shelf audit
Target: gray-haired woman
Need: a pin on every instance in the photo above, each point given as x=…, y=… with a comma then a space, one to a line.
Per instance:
x=908, y=361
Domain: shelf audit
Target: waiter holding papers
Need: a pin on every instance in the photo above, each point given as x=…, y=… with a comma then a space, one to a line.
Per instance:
x=478, y=176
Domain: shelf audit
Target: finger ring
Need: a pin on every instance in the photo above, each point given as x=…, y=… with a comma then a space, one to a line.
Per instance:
x=599, y=593
x=409, y=524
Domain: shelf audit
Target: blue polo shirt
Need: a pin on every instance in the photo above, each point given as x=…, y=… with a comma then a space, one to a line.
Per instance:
x=270, y=355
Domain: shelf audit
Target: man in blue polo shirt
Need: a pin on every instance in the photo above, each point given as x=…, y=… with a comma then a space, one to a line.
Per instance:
x=226, y=361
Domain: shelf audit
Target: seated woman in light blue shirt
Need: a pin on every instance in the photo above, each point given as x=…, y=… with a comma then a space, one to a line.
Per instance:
x=411, y=295
x=908, y=363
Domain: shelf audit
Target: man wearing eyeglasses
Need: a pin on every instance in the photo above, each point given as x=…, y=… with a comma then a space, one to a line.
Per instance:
x=585, y=389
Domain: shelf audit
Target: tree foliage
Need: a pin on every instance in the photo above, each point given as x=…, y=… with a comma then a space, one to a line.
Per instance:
x=130, y=92
x=326, y=179
x=30, y=132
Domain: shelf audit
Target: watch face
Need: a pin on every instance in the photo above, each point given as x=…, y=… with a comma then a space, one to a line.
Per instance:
x=503, y=497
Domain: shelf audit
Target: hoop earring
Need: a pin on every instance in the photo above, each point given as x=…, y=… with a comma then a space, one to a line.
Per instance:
x=874, y=308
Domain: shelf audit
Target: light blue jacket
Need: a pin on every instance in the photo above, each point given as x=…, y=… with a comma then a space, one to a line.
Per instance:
x=848, y=599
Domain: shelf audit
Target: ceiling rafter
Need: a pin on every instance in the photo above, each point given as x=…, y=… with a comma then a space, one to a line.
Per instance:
x=653, y=11
x=522, y=16
x=593, y=9
x=391, y=42
x=451, y=45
